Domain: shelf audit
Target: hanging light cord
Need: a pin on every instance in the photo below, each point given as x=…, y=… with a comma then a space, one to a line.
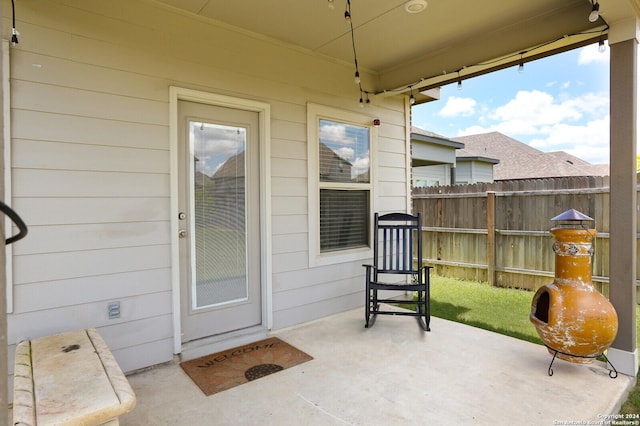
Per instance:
x=14, y=32
x=365, y=94
x=358, y=81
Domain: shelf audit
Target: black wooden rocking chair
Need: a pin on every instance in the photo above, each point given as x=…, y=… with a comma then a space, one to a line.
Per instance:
x=397, y=251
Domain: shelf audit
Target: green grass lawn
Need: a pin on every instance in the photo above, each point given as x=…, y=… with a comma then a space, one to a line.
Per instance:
x=504, y=311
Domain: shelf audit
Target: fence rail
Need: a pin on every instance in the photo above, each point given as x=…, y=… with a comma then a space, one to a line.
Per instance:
x=499, y=232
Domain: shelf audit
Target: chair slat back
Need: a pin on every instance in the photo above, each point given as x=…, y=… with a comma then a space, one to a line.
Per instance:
x=397, y=242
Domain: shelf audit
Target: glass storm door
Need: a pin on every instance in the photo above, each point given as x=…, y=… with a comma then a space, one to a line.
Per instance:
x=219, y=220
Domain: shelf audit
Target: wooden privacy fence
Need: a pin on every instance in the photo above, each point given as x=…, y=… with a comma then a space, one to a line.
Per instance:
x=498, y=232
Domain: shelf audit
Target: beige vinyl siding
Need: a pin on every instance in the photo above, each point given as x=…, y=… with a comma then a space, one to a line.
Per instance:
x=91, y=169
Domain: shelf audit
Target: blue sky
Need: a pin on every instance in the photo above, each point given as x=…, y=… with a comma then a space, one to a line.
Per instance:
x=560, y=103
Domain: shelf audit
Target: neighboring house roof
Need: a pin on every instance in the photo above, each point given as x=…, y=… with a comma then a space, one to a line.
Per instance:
x=421, y=135
x=429, y=149
x=464, y=157
x=233, y=167
x=521, y=161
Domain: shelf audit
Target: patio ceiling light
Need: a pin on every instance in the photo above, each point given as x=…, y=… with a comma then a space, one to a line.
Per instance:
x=595, y=12
x=415, y=6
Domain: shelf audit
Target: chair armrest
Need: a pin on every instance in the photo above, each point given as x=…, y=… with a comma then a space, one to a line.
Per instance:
x=370, y=269
x=425, y=271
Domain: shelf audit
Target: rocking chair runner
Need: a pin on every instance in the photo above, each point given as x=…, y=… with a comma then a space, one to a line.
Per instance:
x=397, y=251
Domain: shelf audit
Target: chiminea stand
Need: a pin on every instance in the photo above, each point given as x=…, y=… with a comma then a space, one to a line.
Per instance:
x=613, y=373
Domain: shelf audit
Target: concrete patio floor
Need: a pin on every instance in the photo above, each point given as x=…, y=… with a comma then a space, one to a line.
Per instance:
x=391, y=374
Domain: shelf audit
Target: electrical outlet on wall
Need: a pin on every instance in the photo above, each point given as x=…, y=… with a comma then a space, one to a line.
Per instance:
x=113, y=309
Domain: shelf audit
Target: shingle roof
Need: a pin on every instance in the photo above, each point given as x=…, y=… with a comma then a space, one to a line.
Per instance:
x=520, y=161
x=418, y=134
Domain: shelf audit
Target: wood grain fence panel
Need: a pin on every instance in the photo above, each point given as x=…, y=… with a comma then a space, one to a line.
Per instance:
x=522, y=243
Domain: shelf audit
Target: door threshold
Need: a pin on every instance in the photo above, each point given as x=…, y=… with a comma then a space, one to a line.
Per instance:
x=221, y=342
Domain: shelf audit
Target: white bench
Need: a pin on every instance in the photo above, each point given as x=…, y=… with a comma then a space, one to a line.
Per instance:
x=69, y=379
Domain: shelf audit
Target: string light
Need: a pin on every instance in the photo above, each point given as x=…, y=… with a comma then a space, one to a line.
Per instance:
x=347, y=12
x=14, y=32
x=364, y=94
x=601, y=46
x=356, y=76
x=521, y=65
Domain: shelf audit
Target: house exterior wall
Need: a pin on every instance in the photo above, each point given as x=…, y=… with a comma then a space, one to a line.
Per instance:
x=474, y=172
x=439, y=174
x=91, y=171
x=433, y=152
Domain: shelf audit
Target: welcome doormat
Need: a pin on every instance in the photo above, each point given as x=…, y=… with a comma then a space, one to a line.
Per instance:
x=224, y=370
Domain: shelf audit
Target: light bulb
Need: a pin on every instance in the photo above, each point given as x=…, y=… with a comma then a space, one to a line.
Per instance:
x=14, y=37
x=412, y=100
x=601, y=46
x=356, y=78
x=521, y=67
x=459, y=84
x=347, y=17
x=331, y=5
x=595, y=12
x=361, y=102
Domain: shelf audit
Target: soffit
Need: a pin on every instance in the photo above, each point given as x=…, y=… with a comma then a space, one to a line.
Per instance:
x=425, y=49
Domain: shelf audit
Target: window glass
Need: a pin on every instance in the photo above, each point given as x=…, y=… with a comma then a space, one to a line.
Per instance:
x=343, y=152
x=344, y=185
x=344, y=219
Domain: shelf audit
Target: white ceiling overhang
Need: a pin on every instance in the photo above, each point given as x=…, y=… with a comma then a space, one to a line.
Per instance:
x=398, y=50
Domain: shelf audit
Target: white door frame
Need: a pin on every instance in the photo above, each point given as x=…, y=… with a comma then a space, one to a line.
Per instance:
x=264, y=122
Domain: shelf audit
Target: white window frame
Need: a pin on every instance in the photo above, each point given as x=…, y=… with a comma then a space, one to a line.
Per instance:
x=315, y=113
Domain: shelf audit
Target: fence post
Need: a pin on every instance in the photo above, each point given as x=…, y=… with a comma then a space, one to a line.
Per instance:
x=491, y=237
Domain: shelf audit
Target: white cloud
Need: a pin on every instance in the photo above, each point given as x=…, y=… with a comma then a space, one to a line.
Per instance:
x=591, y=104
x=458, y=107
x=589, y=141
x=360, y=165
x=531, y=112
x=590, y=54
x=346, y=153
x=536, y=108
x=334, y=133
x=578, y=125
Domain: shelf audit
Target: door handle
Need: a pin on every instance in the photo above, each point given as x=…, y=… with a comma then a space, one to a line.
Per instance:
x=182, y=233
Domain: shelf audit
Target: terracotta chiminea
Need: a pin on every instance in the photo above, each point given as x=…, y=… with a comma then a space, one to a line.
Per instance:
x=574, y=320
